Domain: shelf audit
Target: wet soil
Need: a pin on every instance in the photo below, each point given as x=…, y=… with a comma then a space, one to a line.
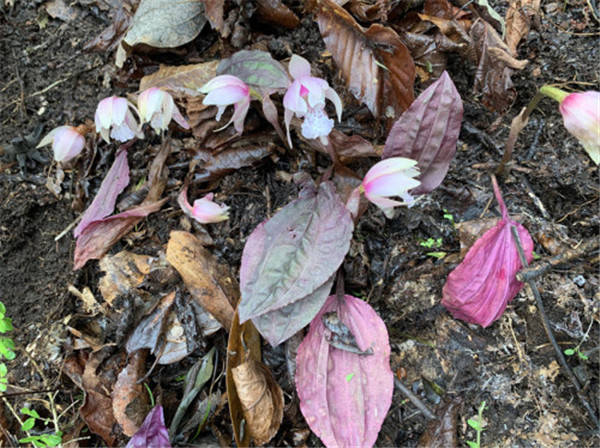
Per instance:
x=46, y=80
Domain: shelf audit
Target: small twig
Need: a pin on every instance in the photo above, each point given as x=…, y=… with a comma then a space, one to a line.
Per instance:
x=531, y=272
x=28, y=392
x=69, y=227
x=551, y=338
x=414, y=400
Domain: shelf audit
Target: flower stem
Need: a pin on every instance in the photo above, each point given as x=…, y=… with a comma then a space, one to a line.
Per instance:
x=554, y=93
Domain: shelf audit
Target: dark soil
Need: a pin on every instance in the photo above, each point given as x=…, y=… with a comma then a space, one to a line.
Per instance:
x=46, y=79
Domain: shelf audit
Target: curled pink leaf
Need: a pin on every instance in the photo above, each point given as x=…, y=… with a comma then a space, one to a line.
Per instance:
x=113, y=184
x=153, y=432
x=345, y=393
x=480, y=287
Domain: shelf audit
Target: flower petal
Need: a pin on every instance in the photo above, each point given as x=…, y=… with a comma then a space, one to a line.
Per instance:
x=316, y=90
x=239, y=114
x=391, y=185
x=68, y=143
x=299, y=67
x=49, y=138
x=388, y=166
x=332, y=96
x=287, y=118
x=205, y=211
x=224, y=82
x=316, y=124
x=225, y=96
x=293, y=101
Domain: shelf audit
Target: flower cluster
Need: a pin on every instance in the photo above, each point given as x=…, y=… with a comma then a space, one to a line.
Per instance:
x=305, y=97
x=115, y=119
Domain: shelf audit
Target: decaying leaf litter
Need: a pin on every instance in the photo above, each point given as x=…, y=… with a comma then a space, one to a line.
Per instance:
x=510, y=365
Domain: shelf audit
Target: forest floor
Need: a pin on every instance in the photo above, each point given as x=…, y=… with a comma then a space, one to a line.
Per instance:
x=47, y=79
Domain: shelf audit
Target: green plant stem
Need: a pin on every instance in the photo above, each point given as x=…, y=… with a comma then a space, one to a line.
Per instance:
x=554, y=93
x=548, y=329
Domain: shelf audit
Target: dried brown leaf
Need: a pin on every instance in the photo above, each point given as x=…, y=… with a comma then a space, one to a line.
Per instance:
x=493, y=76
x=238, y=350
x=120, y=15
x=371, y=10
x=347, y=147
x=122, y=272
x=274, y=11
x=202, y=275
x=518, y=21
x=182, y=80
x=376, y=65
x=129, y=399
x=261, y=399
x=213, y=10
x=58, y=9
x=442, y=433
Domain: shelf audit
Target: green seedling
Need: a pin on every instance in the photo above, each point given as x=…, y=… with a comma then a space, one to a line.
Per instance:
x=431, y=243
x=38, y=440
x=478, y=425
x=447, y=215
x=572, y=351
x=7, y=346
x=438, y=255
x=535, y=255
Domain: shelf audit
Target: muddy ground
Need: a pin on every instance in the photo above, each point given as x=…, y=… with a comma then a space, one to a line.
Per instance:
x=46, y=80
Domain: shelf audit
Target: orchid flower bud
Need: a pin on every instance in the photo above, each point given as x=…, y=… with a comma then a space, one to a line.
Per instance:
x=114, y=114
x=305, y=97
x=226, y=90
x=394, y=176
x=581, y=117
x=66, y=141
x=158, y=108
x=205, y=211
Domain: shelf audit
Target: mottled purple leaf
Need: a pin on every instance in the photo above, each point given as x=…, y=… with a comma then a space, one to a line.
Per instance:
x=256, y=68
x=345, y=396
x=113, y=184
x=480, y=287
x=428, y=131
x=99, y=236
x=290, y=258
x=152, y=433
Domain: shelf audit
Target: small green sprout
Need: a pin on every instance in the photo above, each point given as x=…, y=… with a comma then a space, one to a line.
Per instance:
x=448, y=216
x=349, y=377
x=572, y=351
x=38, y=440
x=535, y=255
x=438, y=255
x=7, y=346
x=478, y=425
x=430, y=243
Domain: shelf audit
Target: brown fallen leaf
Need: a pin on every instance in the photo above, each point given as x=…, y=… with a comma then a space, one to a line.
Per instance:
x=518, y=21
x=120, y=19
x=238, y=350
x=493, y=76
x=371, y=10
x=274, y=11
x=443, y=433
x=182, y=80
x=376, y=65
x=213, y=10
x=202, y=275
x=161, y=332
x=213, y=165
x=347, y=147
x=261, y=399
x=58, y=9
x=129, y=399
x=122, y=272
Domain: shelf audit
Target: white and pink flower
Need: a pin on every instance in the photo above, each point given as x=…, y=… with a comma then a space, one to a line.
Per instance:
x=158, y=108
x=226, y=90
x=205, y=211
x=391, y=177
x=66, y=141
x=581, y=116
x=306, y=98
x=115, y=114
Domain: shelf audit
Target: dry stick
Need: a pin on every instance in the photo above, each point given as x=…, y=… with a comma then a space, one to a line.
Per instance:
x=531, y=272
x=414, y=399
x=546, y=322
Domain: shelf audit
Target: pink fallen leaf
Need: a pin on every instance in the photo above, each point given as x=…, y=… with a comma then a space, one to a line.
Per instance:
x=480, y=287
x=428, y=131
x=99, y=236
x=113, y=184
x=345, y=393
x=152, y=433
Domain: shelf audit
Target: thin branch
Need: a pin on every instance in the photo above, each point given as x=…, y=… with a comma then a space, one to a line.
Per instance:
x=551, y=338
x=414, y=399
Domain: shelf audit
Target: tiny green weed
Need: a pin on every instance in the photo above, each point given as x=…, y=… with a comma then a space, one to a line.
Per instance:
x=38, y=440
x=7, y=346
x=478, y=425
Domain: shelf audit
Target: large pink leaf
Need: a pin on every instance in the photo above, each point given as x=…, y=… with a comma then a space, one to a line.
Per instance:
x=99, y=236
x=113, y=184
x=345, y=396
x=428, y=131
x=479, y=289
x=289, y=262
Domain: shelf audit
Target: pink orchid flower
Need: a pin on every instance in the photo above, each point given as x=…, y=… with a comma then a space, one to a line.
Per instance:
x=390, y=177
x=158, y=108
x=225, y=90
x=114, y=114
x=66, y=141
x=306, y=98
x=205, y=211
x=581, y=117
